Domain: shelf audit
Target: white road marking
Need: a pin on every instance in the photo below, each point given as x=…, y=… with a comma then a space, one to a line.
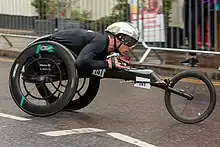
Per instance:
x=72, y=131
x=13, y=117
x=130, y=140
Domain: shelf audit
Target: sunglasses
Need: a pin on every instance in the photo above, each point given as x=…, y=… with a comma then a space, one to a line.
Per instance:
x=128, y=41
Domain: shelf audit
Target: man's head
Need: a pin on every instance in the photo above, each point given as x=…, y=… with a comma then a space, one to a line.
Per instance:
x=122, y=36
x=121, y=48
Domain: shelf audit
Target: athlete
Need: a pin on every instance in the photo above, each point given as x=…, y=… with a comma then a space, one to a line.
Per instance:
x=92, y=48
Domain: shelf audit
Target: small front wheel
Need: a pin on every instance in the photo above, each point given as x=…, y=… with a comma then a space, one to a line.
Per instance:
x=203, y=99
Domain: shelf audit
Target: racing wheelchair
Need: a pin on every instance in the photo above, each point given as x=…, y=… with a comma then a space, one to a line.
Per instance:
x=45, y=61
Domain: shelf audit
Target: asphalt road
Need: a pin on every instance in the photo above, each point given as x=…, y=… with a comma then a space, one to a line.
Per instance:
x=121, y=115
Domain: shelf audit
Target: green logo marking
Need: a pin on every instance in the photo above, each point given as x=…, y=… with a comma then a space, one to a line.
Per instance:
x=48, y=48
x=22, y=101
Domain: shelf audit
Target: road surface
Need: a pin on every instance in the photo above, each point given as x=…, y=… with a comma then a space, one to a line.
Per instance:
x=120, y=116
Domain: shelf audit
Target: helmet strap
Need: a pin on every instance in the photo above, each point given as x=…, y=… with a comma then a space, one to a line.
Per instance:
x=115, y=46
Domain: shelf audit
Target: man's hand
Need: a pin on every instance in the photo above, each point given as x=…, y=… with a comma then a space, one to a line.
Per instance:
x=125, y=59
x=117, y=65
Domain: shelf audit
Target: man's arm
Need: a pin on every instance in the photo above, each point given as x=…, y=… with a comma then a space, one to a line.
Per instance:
x=85, y=60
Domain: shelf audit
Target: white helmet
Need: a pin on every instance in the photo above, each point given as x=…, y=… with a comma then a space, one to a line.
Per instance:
x=126, y=32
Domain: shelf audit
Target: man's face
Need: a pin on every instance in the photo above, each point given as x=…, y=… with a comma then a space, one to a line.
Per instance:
x=123, y=49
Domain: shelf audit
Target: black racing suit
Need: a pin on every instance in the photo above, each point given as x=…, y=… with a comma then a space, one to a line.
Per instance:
x=90, y=47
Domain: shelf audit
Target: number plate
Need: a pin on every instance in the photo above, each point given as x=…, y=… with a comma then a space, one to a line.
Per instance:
x=142, y=85
x=99, y=72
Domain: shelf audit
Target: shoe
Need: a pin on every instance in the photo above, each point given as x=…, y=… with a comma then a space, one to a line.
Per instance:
x=190, y=62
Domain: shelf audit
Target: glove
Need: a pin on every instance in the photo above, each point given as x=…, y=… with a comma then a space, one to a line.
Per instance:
x=114, y=61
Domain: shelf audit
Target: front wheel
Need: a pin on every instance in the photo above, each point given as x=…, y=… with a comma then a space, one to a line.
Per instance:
x=185, y=79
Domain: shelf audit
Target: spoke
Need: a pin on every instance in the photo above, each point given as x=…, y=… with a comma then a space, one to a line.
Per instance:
x=58, y=95
x=26, y=95
x=57, y=89
x=45, y=90
x=185, y=107
x=79, y=94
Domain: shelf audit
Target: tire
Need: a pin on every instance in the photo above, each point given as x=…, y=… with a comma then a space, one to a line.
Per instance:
x=87, y=97
x=79, y=103
x=210, y=87
x=60, y=103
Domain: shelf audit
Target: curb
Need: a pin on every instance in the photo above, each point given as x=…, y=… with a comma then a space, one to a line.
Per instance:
x=163, y=70
x=9, y=53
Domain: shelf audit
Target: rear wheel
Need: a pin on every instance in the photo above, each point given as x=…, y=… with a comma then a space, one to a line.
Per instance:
x=86, y=98
x=38, y=65
x=86, y=92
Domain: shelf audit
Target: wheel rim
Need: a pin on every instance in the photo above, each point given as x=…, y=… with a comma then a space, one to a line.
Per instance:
x=41, y=78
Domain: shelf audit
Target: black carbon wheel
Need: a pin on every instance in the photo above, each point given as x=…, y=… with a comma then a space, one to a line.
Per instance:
x=83, y=100
x=25, y=66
